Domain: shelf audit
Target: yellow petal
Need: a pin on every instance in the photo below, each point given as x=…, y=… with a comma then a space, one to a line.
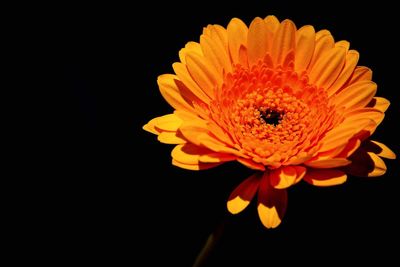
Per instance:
x=190, y=47
x=283, y=177
x=188, y=153
x=325, y=177
x=361, y=73
x=257, y=41
x=305, y=43
x=170, y=91
x=192, y=130
x=284, y=42
x=380, y=166
x=365, y=164
x=151, y=128
x=169, y=122
x=243, y=194
x=328, y=67
x=327, y=163
x=344, y=44
x=172, y=138
x=348, y=69
x=379, y=149
x=237, y=36
x=357, y=95
x=216, y=53
x=272, y=203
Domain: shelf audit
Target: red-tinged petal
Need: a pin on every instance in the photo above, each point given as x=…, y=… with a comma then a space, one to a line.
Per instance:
x=379, y=149
x=150, y=127
x=305, y=43
x=325, y=177
x=243, y=194
x=237, y=36
x=217, y=157
x=272, y=203
x=284, y=42
x=365, y=164
x=195, y=167
x=257, y=41
x=300, y=173
x=170, y=91
x=379, y=103
x=283, y=177
x=172, y=138
x=328, y=67
x=251, y=164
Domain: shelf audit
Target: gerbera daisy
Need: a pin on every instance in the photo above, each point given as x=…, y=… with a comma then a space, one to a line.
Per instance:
x=292, y=104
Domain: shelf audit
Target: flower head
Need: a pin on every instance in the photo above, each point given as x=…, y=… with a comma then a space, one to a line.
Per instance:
x=292, y=104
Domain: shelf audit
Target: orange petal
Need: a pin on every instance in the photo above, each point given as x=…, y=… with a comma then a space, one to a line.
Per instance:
x=341, y=134
x=325, y=177
x=188, y=153
x=192, y=130
x=195, y=167
x=328, y=67
x=172, y=138
x=217, y=157
x=272, y=203
x=323, y=43
x=190, y=47
x=257, y=41
x=344, y=44
x=365, y=164
x=203, y=73
x=379, y=103
x=170, y=91
x=283, y=177
x=361, y=73
x=284, y=42
x=251, y=164
x=243, y=194
x=150, y=127
x=169, y=122
x=348, y=69
x=216, y=53
x=237, y=36
x=305, y=43
x=379, y=149
x=272, y=23
x=357, y=95
x=183, y=74
x=327, y=163
x=362, y=113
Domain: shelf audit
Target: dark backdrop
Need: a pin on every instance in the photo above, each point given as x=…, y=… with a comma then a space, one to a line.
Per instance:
x=120, y=199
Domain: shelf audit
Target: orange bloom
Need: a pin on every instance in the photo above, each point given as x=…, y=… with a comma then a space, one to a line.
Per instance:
x=291, y=104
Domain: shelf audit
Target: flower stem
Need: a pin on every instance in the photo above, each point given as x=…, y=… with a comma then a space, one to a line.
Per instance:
x=209, y=246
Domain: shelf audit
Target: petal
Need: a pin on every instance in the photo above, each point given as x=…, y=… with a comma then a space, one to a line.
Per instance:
x=170, y=91
x=272, y=23
x=344, y=44
x=150, y=127
x=283, y=177
x=217, y=157
x=190, y=47
x=251, y=164
x=379, y=103
x=348, y=69
x=192, y=130
x=194, y=167
x=203, y=73
x=325, y=177
x=370, y=113
x=272, y=203
x=237, y=36
x=300, y=172
x=284, y=42
x=328, y=67
x=365, y=164
x=257, y=41
x=188, y=153
x=305, y=43
x=323, y=43
x=172, y=138
x=341, y=134
x=327, y=163
x=357, y=95
x=169, y=122
x=361, y=73
x=379, y=149
x=243, y=194
x=216, y=53
x=183, y=74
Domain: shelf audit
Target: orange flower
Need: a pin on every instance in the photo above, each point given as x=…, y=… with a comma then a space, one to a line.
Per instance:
x=291, y=104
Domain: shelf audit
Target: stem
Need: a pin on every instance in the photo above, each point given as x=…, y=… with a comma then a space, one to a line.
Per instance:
x=209, y=246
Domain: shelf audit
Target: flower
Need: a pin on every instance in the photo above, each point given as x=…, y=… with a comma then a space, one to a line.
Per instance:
x=291, y=104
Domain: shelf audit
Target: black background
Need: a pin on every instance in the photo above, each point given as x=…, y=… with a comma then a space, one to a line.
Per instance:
x=118, y=198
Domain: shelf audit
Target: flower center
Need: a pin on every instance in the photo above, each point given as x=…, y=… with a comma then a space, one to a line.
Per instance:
x=272, y=114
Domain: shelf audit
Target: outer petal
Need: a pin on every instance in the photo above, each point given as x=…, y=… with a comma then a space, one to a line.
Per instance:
x=194, y=167
x=325, y=177
x=237, y=36
x=272, y=203
x=171, y=93
x=283, y=177
x=379, y=103
x=357, y=95
x=257, y=40
x=243, y=194
x=323, y=43
x=284, y=42
x=379, y=149
x=305, y=43
x=365, y=164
